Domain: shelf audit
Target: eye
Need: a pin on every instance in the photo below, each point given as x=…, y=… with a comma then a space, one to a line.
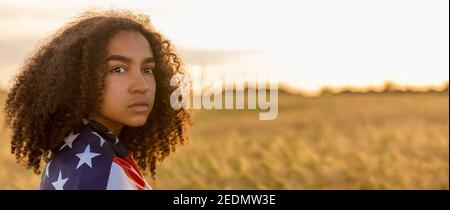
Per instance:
x=118, y=69
x=148, y=70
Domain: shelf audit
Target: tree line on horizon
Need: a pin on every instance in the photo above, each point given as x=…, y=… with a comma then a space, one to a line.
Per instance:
x=387, y=87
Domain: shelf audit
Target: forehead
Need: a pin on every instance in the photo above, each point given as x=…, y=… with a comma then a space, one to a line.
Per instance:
x=131, y=44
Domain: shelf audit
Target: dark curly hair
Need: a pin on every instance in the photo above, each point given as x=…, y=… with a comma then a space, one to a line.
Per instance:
x=62, y=81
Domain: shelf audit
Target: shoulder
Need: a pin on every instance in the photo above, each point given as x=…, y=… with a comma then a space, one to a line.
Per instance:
x=83, y=162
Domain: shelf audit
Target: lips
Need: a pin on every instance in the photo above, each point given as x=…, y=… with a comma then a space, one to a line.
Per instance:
x=138, y=103
x=139, y=107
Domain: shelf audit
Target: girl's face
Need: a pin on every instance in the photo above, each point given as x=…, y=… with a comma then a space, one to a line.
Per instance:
x=130, y=86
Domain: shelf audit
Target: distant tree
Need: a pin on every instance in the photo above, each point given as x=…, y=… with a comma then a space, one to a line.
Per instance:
x=326, y=91
x=347, y=91
x=389, y=86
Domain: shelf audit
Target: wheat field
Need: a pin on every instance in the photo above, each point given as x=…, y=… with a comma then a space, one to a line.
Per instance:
x=347, y=141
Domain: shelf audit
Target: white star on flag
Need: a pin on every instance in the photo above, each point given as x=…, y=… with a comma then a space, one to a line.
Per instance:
x=102, y=141
x=58, y=184
x=86, y=157
x=69, y=140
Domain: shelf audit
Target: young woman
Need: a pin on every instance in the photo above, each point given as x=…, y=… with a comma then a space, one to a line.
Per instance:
x=93, y=100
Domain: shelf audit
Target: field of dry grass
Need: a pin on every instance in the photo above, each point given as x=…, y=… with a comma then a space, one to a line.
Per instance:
x=354, y=141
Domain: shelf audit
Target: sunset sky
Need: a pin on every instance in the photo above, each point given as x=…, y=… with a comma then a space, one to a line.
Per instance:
x=307, y=44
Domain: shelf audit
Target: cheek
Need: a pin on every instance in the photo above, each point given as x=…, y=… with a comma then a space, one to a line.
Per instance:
x=113, y=93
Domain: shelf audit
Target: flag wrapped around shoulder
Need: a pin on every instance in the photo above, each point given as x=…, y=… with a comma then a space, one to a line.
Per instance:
x=92, y=159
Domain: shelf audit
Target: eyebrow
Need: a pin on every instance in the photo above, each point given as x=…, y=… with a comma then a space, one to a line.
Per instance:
x=127, y=60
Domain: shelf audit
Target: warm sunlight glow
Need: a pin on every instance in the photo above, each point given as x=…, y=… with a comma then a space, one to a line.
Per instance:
x=308, y=44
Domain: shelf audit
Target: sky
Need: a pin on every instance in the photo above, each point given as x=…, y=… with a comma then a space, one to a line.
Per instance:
x=306, y=44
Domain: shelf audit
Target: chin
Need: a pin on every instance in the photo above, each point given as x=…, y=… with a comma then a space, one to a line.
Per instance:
x=137, y=121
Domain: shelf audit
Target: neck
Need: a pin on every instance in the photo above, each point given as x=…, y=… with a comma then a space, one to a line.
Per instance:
x=113, y=126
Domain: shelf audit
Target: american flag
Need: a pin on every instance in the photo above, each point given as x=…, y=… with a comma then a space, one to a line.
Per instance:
x=92, y=159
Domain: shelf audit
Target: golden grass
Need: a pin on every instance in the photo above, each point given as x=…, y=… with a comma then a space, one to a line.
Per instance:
x=356, y=141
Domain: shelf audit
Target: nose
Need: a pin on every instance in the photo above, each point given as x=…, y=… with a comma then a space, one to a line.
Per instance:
x=138, y=82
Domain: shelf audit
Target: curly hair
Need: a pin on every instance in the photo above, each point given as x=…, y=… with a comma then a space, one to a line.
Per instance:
x=63, y=80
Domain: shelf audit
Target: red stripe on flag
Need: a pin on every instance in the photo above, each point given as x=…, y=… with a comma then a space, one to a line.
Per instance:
x=131, y=170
